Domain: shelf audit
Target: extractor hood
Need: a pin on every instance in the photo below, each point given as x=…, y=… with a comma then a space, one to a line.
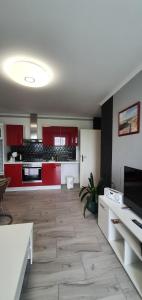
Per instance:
x=33, y=130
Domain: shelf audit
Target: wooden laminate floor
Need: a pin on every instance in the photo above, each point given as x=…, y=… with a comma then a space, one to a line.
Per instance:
x=72, y=259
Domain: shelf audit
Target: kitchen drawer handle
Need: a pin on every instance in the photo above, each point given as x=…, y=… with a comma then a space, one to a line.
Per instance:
x=115, y=221
x=102, y=206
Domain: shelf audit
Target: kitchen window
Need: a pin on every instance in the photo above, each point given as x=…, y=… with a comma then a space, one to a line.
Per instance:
x=59, y=141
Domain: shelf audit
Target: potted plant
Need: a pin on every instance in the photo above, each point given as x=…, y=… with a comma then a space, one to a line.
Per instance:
x=90, y=194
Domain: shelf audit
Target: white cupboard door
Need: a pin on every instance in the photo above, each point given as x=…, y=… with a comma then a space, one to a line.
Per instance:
x=90, y=140
x=103, y=217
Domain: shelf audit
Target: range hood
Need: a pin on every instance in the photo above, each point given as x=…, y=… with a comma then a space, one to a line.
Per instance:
x=33, y=130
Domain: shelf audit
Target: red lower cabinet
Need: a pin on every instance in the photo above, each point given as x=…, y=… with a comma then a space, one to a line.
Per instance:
x=51, y=174
x=14, y=171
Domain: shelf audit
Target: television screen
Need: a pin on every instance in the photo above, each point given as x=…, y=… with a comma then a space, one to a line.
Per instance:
x=133, y=189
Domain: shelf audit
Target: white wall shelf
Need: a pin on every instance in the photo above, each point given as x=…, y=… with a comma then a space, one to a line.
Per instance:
x=131, y=239
x=135, y=272
x=118, y=247
x=125, y=237
x=103, y=214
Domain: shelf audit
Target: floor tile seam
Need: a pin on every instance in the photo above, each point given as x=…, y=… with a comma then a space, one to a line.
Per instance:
x=56, y=249
x=58, y=292
x=121, y=289
x=83, y=266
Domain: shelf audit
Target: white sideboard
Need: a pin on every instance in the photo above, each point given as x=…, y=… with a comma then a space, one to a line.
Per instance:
x=15, y=250
x=124, y=236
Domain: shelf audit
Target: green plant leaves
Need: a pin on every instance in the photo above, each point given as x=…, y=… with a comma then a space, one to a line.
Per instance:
x=91, y=181
x=89, y=193
x=83, y=196
x=82, y=189
x=85, y=206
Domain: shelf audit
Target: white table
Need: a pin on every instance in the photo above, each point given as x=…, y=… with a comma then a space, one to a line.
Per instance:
x=15, y=249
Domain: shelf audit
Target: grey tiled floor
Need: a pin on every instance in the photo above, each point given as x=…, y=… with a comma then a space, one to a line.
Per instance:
x=72, y=259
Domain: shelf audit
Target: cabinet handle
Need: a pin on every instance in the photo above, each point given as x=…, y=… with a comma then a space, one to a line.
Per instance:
x=115, y=221
x=102, y=206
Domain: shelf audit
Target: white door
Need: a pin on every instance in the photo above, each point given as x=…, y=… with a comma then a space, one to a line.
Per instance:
x=90, y=140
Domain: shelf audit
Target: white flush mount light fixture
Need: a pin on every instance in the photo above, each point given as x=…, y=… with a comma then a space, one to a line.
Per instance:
x=28, y=71
x=29, y=79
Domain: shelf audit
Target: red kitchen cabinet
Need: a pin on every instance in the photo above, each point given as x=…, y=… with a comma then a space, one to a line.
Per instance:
x=46, y=136
x=14, y=135
x=60, y=136
x=74, y=136
x=14, y=171
x=66, y=133
x=51, y=174
x=50, y=134
x=63, y=136
x=71, y=135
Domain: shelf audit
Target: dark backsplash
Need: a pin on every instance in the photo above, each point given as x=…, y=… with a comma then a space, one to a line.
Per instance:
x=39, y=152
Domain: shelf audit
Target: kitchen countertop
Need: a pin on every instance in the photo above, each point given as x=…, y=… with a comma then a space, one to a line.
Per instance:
x=43, y=162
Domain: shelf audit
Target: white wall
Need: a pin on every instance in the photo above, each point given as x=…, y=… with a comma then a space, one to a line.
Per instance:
x=127, y=150
x=80, y=123
x=15, y=120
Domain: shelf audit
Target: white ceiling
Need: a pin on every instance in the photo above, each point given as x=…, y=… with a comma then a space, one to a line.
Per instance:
x=91, y=45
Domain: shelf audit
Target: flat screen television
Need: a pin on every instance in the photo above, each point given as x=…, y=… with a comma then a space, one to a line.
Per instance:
x=133, y=189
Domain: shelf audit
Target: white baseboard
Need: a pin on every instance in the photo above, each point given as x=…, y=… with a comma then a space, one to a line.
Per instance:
x=33, y=188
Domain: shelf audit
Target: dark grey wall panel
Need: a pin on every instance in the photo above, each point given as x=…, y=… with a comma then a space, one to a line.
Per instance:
x=106, y=141
x=97, y=123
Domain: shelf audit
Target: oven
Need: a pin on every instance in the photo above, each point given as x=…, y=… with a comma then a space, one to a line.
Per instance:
x=31, y=172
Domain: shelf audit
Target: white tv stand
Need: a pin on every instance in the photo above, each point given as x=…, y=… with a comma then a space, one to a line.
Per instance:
x=124, y=236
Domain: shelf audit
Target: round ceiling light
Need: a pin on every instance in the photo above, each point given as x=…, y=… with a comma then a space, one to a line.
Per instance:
x=29, y=79
x=28, y=72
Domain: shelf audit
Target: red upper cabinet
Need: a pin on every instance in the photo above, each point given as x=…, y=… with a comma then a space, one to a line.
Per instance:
x=14, y=135
x=46, y=136
x=51, y=174
x=71, y=135
x=50, y=135
x=66, y=133
x=63, y=136
x=75, y=136
x=14, y=171
x=60, y=136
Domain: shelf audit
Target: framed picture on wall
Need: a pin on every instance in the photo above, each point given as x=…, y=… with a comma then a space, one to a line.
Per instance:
x=129, y=120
